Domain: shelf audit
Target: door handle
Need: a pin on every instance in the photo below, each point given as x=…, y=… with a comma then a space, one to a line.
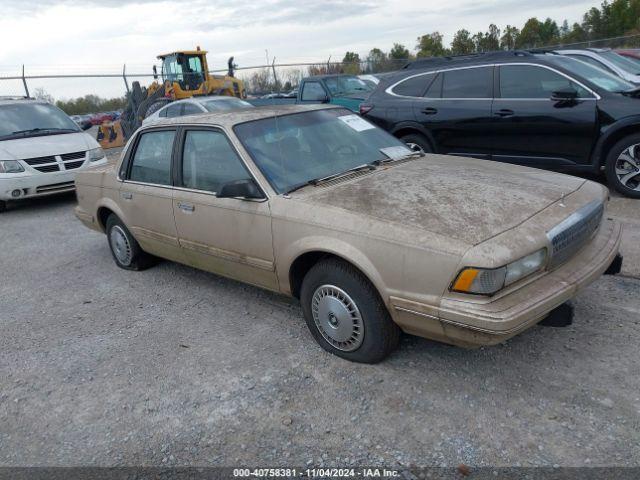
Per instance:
x=186, y=207
x=126, y=195
x=429, y=111
x=505, y=112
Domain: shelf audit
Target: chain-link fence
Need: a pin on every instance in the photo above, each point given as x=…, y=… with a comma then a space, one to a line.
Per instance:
x=268, y=79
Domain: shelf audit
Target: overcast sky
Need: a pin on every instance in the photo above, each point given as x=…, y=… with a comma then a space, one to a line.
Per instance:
x=79, y=36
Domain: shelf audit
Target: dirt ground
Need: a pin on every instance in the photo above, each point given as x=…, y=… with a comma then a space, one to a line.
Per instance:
x=173, y=366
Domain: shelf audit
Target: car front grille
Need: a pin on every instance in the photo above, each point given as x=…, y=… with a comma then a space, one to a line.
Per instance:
x=55, y=187
x=572, y=233
x=72, y=165
x=72, y=156
x=48, y=168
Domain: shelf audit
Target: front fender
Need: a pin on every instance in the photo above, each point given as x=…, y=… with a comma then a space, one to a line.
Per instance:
x=607, y=133
x=331, y=246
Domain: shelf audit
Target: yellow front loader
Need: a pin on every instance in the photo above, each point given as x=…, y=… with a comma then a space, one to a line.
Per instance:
x=183, y=74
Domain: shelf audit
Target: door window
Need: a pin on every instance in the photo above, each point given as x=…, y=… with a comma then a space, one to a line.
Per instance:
x=190, y=109
x=468, y=83
x=209, y=161
x=174, y=110
x=313, y=91
x=415, y=86
x=152, y=159
x=527, y=81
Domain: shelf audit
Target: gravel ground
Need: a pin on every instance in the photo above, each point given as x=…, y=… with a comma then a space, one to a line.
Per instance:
x=173, y=366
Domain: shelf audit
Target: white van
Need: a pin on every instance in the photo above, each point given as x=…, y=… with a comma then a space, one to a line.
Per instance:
x=41, y=149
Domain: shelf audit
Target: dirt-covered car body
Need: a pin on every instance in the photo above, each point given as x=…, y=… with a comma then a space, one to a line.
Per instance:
x=416, y=227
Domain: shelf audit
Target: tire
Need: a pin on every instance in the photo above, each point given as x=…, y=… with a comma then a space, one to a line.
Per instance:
x=419, y=140
x=125, y=249
x=334, y=291
x=157, y=105
x=623, y=161
x=3, y=206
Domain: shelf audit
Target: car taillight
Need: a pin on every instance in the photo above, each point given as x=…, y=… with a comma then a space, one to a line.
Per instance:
x=364, y=109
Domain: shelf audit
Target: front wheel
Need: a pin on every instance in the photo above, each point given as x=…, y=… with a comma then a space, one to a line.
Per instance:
x=125, y=249
x=345, y=314
x=623, y=166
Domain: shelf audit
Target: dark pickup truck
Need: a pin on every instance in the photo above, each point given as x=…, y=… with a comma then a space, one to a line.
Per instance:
x=348, y=91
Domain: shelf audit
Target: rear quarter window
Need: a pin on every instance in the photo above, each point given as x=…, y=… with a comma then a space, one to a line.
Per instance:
x=414, y=86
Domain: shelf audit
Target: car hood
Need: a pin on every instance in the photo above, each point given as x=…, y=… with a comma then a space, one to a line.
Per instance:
x=464, y=199
x=42, y=146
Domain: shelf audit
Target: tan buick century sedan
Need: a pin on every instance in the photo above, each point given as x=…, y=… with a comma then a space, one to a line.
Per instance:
x=372, y=237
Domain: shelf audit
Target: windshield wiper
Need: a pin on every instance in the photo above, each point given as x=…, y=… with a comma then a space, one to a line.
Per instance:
x=317, y=181
x=634, y=92
x=382, y=161
x=40, y=130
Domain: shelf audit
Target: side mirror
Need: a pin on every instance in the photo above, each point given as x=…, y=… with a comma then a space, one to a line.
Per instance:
x=246, y=188
x=155, y=73
x=86, y=125
x=564, y=95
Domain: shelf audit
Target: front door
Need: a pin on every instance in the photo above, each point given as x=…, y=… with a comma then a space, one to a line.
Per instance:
x=227, y=236
x=531, y=128
x=456, y=109
x=145, y=196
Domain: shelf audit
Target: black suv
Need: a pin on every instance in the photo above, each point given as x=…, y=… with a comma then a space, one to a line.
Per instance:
x=537, y=109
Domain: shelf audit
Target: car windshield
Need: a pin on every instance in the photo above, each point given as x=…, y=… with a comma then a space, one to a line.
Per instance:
x=621, y=62
x=635, y=61
x=346, y=85
x=225, y=104
x=19, y=120
x=294, y=149
x=600, y=78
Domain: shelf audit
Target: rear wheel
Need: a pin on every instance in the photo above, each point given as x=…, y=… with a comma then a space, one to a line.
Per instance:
x=3, y=206
x=417, y=139
x=125, y=249
x=623, y=166
x=345, y=314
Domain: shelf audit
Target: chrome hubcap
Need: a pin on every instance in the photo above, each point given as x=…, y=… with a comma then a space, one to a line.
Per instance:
x=337, y=318
x=628, y=167
x=120, y=245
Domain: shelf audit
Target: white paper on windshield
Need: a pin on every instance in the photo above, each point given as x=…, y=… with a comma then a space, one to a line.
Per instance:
x=396, y=152
x=357, y=123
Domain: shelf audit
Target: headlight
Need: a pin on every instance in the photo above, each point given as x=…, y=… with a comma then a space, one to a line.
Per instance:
x=10, y=166
x=96, y=154
x=484, y=281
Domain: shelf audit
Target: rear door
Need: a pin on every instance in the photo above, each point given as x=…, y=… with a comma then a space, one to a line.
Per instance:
x=456, y=109
x=531, y=128
x=227, y=236
x=146, y=193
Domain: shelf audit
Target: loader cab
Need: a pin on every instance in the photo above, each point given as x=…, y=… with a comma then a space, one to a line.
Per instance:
x=186, y=69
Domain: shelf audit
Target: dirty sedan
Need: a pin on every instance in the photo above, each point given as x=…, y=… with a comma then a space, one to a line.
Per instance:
x=372, y=237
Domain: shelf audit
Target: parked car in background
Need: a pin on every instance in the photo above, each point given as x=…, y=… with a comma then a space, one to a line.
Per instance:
x=632, y=54
x=344, y=90
x=82, y=121
x=317, y=203
x=608, y=60
x=41, y=150
x=542, y=110
x=195, y=105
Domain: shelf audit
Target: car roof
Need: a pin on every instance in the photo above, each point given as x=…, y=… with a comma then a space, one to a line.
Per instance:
x=235, y=117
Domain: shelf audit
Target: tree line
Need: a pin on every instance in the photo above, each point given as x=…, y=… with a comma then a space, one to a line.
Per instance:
x=613, y=19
